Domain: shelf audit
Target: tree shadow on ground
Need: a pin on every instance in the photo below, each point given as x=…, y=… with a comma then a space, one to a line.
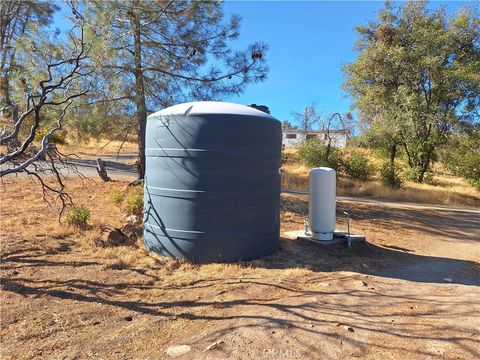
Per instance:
x=268, y=304
x=303, y=311
x=387, y=261
x=371, y=259
x=454, y=225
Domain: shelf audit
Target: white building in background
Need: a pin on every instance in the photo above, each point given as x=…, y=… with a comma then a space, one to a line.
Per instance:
x=292, y=138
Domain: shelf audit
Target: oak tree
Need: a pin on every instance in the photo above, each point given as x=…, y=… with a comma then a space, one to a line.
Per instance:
x=416, y=77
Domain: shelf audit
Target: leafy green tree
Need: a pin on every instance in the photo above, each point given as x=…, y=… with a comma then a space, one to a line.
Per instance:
x=416, y=77
x=151, y=54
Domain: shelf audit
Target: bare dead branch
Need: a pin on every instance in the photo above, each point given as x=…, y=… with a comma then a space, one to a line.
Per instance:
x=60, y=87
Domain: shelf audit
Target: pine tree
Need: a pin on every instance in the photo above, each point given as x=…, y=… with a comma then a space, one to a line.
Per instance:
x=153, y=54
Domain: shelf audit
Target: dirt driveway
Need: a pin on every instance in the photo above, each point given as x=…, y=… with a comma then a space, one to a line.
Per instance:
x=411, y=292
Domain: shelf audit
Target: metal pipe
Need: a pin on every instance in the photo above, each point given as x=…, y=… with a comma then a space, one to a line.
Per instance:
x=349, y=239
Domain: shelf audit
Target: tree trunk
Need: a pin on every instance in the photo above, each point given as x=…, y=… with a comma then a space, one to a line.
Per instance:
x=6, y=102
x=140, y=102
x=425, y=166
x=393, y=154
x=424, y=162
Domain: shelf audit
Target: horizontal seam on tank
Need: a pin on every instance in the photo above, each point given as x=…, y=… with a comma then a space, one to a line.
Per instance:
x=251, y=232
x=213, y=192
x=216, y=152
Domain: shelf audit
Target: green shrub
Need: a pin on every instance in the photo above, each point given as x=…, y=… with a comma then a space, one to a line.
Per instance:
x=130, y=201
x=55, y=138
x=469, y=168
x=314, y=153
x=465, y=163
x=78, y=216
x=117, y=197
x=475, y=182
x=389, y=176
x=358, y=166
x=413, y=173
x=134, y=201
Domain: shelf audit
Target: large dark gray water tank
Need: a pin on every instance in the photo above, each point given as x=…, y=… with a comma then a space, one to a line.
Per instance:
x=212, y=182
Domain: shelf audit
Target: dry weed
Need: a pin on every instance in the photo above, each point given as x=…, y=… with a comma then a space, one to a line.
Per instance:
x=445, y=190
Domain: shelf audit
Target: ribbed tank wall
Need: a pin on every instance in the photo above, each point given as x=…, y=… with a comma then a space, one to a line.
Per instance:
x=212, y=184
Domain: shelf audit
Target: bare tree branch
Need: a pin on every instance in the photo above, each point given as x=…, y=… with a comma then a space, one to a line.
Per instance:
x=56, y=92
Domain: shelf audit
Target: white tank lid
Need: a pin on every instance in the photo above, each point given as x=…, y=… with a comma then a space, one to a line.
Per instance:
x=322, y=170
x=210, y=107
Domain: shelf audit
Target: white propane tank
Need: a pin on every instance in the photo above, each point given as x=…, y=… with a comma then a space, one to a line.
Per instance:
x=322, y=193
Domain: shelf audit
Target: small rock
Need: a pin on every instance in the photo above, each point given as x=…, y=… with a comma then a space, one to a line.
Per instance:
x=131, y=231
x=177, y=350
x=131, y=219
x=365, y=266
x=448, y=280
x=112, y=237
x=214, y=345
x=129, y=318
x=361, y=282
x=348, y=328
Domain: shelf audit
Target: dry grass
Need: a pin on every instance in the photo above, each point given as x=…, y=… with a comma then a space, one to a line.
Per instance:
x=444, y=190
x=64, y=297
x=22, y=204
x=94, y=147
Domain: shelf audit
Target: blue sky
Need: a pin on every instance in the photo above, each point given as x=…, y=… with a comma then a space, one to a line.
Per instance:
x=309, y=43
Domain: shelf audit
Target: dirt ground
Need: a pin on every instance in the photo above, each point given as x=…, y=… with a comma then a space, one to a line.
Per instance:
x=410, y=292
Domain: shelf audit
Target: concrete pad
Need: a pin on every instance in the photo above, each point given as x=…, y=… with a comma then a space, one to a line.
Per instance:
x=339, y=237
